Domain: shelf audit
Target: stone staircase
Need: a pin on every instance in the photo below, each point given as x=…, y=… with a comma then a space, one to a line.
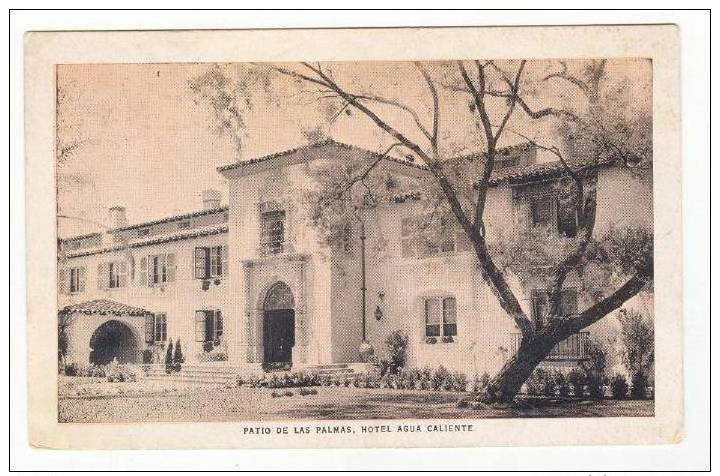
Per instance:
x=196, y=373
x=213, y=374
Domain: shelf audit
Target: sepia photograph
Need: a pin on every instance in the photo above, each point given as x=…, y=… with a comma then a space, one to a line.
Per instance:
x=357, y=240
x=376, y=238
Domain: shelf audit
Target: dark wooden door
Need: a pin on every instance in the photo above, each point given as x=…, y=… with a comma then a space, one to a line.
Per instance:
x=279, y=336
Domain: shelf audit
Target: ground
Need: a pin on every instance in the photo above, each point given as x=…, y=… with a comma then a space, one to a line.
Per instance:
x=88, y=400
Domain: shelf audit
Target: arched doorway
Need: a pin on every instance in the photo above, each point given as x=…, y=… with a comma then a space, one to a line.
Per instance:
x=113, y=340
x=278, y=326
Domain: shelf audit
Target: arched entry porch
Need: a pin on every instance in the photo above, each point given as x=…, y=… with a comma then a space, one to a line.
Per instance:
x=114, y=340
x=278, y=326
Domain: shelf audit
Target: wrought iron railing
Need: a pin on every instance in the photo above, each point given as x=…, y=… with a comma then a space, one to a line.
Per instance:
x=572, y=348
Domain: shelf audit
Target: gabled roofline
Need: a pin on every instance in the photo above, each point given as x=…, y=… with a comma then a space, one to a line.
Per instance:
x=316, y=145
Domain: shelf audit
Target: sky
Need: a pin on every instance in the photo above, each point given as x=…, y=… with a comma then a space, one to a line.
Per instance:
x=149, y=144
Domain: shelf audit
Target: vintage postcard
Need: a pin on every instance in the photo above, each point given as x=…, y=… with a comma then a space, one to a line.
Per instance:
x=309, y=238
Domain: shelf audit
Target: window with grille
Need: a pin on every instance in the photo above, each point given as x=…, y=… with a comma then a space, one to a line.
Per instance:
x=440, y=317
x=272, y=238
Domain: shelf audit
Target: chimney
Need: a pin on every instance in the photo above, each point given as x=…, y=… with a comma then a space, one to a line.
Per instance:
x=210, y=199
x=118, y=217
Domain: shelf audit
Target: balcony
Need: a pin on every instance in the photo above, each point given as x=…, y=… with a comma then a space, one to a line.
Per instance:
x=572, y=348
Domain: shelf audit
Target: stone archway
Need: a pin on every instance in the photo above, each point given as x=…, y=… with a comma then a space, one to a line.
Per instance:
x=114, y=340
x=278, y=326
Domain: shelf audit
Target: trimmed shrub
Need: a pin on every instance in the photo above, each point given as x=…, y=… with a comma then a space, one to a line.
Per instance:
x=178, y=357
x=169, y=358
x=619, y=387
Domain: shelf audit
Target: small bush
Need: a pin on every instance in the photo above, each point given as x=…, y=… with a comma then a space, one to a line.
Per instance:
x=619, y=387
x=71, y=370
x=178, y=357
x=169, y=358
x=576, y=380
x=563, y=387
x=396, y=344
x=120, y=373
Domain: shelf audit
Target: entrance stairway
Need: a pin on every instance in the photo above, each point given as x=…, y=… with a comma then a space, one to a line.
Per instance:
x=195, y=373
x=213, y=374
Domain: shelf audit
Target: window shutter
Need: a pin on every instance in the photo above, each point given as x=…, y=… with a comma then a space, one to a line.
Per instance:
x=218, y=324
x=199, y=326
x=101, y=276
x=201, y=271
x=63, y=281
x=149, y=328
x=123, y=270
x=225, y=269
x=170, y=264
x=144, y=271
x=81, y=279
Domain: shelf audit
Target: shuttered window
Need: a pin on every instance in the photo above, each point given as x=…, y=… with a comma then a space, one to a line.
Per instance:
x=210, y=262
x=158, y=269
x=77, y=280
x=208, y=325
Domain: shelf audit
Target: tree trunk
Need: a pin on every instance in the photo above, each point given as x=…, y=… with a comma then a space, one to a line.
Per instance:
x=506, y=384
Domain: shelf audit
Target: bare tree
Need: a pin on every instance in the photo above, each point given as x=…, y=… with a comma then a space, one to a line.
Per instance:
x=495, y=98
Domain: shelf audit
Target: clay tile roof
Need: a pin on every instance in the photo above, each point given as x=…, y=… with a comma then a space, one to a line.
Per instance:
x=105, y=306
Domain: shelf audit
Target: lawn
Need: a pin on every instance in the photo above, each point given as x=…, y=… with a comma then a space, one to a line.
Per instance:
x=153, y=401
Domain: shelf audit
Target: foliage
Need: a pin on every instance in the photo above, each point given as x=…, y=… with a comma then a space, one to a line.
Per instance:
x=178, y=357
x=637, y=338
x=115, y=372
x=619, y=387
x=396, y=344
x=71, y=370
x=276, y=380
x=639, y=386
x=594, y=367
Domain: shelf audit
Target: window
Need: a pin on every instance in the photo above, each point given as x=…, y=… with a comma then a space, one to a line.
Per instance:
x=113, y=275
x=77, y=280
x=440, y=317
x=541, y=303
x=272, y=232
x=210, y=262
x=160, y=328
x=542, y=211
x=208, y=326
x=567, y=219
x=158, y=269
